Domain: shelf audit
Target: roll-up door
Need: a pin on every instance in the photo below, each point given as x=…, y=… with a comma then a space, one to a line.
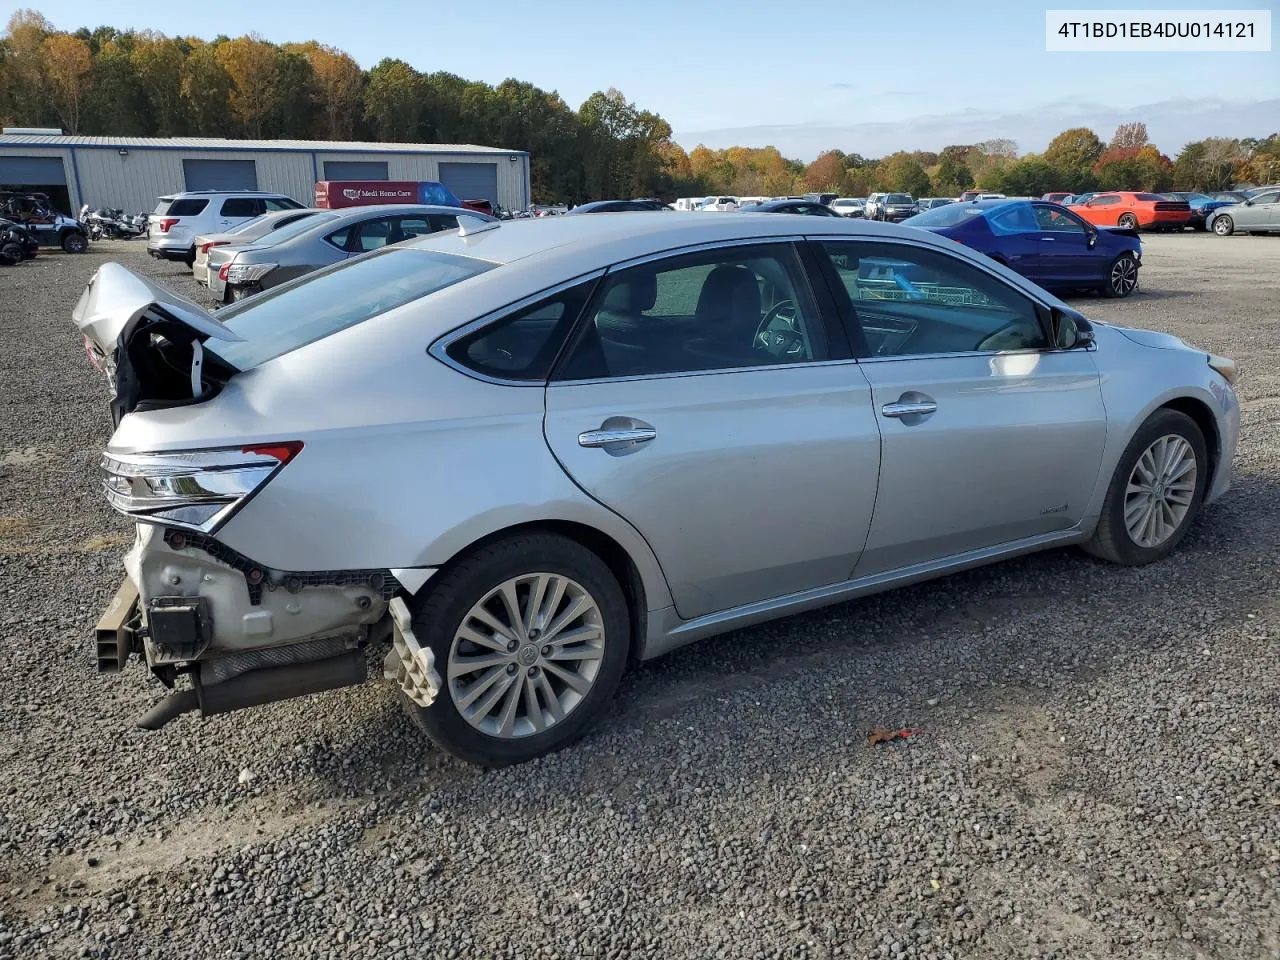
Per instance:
x=220, y=174
x=471, y=181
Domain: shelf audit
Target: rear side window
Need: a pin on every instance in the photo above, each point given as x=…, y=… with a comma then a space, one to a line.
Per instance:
x=243, y=207
x=523, y=345
x=162, y=207
x=319, y=305
x=186, y=207
x=282, y=203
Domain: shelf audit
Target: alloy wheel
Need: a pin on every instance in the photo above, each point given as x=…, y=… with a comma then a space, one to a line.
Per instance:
x=526, y=655
x=1160, y=490
x=1223, y=226
x=1124, y=276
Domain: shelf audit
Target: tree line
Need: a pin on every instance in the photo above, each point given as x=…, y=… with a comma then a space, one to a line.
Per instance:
x=142, y=83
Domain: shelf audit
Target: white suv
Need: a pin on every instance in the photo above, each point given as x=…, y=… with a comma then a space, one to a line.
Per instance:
x=177, y=220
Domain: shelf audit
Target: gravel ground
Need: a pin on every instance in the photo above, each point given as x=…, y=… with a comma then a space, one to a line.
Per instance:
x=1097, y=776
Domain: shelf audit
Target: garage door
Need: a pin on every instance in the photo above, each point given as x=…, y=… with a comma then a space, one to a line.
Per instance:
x=355, y=170
x=24, y=171
x=471, y=181
x=220, y=174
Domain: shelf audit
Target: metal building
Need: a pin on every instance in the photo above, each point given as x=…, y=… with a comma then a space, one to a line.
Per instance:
x=130, y=172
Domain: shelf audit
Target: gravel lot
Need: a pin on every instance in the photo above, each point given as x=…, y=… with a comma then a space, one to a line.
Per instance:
x=1099, y=773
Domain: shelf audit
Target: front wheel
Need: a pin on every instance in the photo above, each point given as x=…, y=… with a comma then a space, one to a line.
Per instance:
x=1128, y=221
x=532, y=634
x=1156, y=492
x=1122, y=278
x=10, y=254
x=75, y=242
x=1223, y=225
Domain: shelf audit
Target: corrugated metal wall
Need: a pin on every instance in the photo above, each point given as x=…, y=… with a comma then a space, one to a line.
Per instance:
x=134, y=181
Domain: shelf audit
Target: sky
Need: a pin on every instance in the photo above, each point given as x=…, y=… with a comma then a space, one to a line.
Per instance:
x=804, y=76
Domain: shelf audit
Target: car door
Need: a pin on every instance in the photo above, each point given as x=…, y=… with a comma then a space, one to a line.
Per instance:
x=1066, y=254
x=710, y=401
x=988, y=436
x=1259, y=212
x=1104, y=210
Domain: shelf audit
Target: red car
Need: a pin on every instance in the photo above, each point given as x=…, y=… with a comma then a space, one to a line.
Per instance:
x=1127, y=208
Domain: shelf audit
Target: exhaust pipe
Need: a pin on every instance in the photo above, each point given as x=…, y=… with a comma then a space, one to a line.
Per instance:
x=257, y=687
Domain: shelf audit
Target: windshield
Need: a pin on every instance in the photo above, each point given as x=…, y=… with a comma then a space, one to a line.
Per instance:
x=318, y=305
x=295, y=228
x=898, y=198
x=947, y=215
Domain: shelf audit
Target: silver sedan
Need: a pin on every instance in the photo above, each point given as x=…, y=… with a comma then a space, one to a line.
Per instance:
x=520, y=457
x=248, y=232
x=237, y=271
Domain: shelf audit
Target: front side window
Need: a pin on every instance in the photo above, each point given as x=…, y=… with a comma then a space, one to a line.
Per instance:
x=911, y=301
x=1058, y=221
x=744, y=306
x=1270, y=197
x=524, y=345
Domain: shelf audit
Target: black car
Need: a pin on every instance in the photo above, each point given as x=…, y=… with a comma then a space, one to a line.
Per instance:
x=620, y=206
x=17, y=243
x=896, y=207
x=808, y=207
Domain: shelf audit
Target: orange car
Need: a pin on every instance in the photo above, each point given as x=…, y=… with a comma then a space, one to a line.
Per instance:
x=1126, y=208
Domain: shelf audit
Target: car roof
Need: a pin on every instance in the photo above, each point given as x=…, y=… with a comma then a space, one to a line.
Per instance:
x=579, y=244
x=208, y=193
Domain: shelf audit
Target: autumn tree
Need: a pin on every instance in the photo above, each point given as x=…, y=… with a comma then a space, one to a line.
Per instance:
x=67, y=63
x=157, y=62
x=1129, y=136
x=251, y=64
x=902, y=172
x=1072, y=154
x=24, y=66
x=339, y=84
x=826, y=173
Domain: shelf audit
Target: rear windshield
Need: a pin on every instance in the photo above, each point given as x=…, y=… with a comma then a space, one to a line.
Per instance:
x=1152, y=196
x=947, y=215
x=318, y=305
x=187, y=207
x=295, y=228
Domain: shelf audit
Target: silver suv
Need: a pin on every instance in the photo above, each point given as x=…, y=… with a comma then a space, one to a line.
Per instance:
x=179, y=218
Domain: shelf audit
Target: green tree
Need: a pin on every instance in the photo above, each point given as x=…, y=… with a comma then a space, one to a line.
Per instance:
x=206, y=92
x=393, y=101
x=116, y=102
x=158, y=63
x=1072, y=154
x=1029, y=176
x=902, y=172
x=952, y=176
x=1189, y=169
x=253, y=66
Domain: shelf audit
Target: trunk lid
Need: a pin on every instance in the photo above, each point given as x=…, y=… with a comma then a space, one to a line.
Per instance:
x=147, y=340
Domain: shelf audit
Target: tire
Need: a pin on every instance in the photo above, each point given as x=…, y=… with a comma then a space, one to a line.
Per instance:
x=1113, y=539
x=1122, y=277
x=1128, y=221
x=11, y=254
x=190, y=258
x=448, y=605
x=1223, y=225
x=75, y=242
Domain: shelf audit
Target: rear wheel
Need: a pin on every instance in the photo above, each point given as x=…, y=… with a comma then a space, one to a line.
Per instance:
x=1122, y=278
x=1223, y=225
x=190, y=258
x=1128, y=221
x=1156, y=492
x=10, y=254
x=75, y=242
x=532, y=634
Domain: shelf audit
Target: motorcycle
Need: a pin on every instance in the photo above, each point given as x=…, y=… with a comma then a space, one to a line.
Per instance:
x=114, y=224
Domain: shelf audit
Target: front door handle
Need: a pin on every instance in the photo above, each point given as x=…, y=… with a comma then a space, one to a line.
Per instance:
x=604, y=438
x=904, y=409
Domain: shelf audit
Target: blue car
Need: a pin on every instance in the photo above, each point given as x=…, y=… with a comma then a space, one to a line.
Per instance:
x=1202, y=207
x=1045, y=242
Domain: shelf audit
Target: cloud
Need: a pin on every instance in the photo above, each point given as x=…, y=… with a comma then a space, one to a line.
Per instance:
x=844, y=86
x=1170, y=124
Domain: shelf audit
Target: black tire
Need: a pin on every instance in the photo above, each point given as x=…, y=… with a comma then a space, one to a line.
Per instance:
x=11, y=254
x=439, y=612
x=1122, y=277
x=1112, y=540
x=1223, y=225
x=1128, y=221
x=190, y=258
x=73, y=241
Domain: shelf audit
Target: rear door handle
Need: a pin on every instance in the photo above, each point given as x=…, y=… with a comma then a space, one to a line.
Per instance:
x=610, y=436
x=909, y=408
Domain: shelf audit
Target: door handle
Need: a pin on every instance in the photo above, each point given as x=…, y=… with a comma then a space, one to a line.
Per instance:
x=909, y=408
x=1047, y=239
x=608, y=436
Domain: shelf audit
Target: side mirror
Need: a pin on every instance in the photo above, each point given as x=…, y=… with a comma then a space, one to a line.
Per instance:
x=1093, y=238
x=1248, y=203
x=1070, y=330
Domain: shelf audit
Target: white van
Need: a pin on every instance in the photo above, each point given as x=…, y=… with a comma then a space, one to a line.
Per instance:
x=688, y=203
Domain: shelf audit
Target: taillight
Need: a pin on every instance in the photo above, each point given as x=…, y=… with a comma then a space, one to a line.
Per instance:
x=195, y=489
x=223, y=271
x=166, y=223
x=204, y=247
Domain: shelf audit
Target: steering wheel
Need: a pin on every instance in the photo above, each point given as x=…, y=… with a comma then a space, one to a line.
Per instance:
x=786, y=341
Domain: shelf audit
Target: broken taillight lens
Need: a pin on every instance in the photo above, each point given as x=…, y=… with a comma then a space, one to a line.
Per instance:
x=195, y=489
x=166, y=223
x=222, y=273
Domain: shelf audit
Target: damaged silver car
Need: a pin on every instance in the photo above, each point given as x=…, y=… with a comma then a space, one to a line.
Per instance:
x=515, y=457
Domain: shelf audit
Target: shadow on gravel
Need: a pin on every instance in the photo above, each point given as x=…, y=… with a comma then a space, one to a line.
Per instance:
x=802, y=691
